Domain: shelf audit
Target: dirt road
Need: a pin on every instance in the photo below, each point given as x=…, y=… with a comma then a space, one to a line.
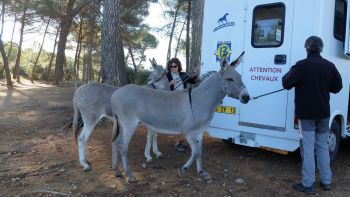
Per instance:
x=37, y=156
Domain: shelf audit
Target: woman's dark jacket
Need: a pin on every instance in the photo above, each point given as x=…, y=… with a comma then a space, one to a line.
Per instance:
x=183, y=77
x=313, y=78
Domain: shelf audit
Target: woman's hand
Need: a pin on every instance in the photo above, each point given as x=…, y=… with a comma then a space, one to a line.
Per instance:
x=194, y=72
x=172, y=82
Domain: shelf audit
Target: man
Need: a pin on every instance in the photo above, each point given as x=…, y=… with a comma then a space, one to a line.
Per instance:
x=313, y=78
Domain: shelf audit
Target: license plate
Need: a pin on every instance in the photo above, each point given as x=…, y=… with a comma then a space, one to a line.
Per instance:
x=226, y=109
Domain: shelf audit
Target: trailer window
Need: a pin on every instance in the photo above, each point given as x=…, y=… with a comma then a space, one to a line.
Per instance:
x=340, y=19
x=268, y=25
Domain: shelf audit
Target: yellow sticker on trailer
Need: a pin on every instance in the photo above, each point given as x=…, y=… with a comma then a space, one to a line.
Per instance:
x=226, y=109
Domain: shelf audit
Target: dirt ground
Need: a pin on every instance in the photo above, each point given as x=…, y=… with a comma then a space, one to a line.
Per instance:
x=39, y=158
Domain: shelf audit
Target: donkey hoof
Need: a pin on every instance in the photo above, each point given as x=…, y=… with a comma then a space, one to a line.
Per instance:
x=159, y=156
x=87, y=169
x=132, y=180
x=86, y=165
x=181, y=171
x=204, y=175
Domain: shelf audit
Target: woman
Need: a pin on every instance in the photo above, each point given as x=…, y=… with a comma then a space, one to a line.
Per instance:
x=178, y=81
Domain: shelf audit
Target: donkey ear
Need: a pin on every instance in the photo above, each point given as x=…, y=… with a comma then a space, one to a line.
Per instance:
x=153, y=63
x=236, y=62
x=223, y=61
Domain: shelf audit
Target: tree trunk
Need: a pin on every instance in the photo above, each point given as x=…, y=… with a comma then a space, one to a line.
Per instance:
x=121, y=71
x=2, y=29
x=172, y=31
x=6, y=64
x=90, y=47
x=84, y=67
x=66, y=21
x=41, y=47
x=11, y=45
x=179, y=39
x=64, y=26
x=13, y=32
x=142, y=54
x=48, y=76
x=197, y=32
x=18, y=59
x=188, y=40
x=133, y=62
x=2, y=19
x=112, y=53
x=77, y=51
x=78, y=58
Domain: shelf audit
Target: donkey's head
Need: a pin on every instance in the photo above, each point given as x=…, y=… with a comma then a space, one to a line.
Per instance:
x=232, y=80
x=158, y=78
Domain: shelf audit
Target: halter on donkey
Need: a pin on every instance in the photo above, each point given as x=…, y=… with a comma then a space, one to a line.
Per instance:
x=92, y=102
x=173, y=113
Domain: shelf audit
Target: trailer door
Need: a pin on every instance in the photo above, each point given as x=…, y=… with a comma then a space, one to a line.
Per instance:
x=223, y=33
x=266, y=60
x=347, y=31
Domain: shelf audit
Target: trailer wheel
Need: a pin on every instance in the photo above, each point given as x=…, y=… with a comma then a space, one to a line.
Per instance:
x=334, y=140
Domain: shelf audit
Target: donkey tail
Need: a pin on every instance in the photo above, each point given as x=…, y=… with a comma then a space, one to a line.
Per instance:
x=77, y=121
x=115, y=132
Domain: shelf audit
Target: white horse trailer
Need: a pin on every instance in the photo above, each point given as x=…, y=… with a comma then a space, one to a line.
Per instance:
x=272, y=34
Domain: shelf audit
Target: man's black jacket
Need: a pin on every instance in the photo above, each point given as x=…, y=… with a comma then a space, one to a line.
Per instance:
x=313, y=78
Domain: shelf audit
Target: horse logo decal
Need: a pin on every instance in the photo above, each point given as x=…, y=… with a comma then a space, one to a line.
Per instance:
x=222, y=22
x=223, y=19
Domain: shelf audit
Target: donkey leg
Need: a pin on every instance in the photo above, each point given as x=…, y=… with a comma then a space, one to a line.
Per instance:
x=194, y=153
x=128, y=129
x=82, y=141
x=200, y=169
x=155, y=145
x=148, y=146
x=116, y=144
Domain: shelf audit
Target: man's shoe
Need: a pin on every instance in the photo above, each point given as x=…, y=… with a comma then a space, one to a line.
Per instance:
x=326, y=186
x=301, y=188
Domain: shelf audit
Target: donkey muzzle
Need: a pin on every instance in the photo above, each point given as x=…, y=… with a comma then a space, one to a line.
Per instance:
x=244, y=96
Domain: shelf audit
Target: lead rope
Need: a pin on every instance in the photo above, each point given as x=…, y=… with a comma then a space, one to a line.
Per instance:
x=190, y=97
x=253, y=98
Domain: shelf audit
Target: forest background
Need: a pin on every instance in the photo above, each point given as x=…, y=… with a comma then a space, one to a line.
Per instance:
x=108, y=41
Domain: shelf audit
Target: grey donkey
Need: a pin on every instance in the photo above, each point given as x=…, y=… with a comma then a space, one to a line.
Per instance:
x=92, y=102
x=181, y=112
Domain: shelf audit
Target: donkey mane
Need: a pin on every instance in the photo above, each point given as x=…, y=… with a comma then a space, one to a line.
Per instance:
x=206, y=75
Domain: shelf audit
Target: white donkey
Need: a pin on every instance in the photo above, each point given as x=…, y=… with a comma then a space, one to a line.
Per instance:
x=92, y=102
x=186, y=112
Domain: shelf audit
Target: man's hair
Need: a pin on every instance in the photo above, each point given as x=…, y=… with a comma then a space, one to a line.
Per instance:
x=314, y=44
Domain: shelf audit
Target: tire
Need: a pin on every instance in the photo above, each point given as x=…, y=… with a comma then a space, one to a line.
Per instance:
x=228, y=141
x=334, y=140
